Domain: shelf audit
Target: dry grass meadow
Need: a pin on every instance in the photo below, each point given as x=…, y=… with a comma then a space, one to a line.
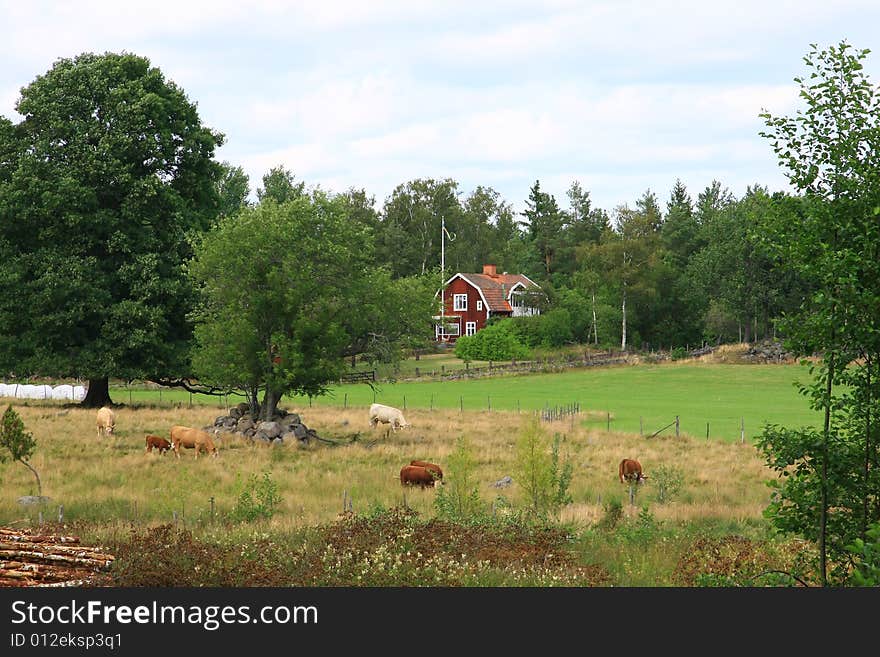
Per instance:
x=114, y=480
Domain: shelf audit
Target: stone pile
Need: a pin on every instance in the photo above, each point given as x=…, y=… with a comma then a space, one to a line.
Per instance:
x=284, y=427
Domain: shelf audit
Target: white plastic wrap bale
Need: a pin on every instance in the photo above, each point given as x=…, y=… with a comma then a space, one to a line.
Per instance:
x=63, y=391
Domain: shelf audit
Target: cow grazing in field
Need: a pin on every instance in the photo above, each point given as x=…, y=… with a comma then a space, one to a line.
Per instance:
x=106, y=421
x=387, y=415
x=190, y=438
x=417, y=475
x=631, y=470
x=433, y=467
x=157, y=442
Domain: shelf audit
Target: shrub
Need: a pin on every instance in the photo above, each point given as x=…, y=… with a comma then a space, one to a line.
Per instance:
x=613, y=514
x=459, y=498
x=495, y=342
x=544, y=482
x=668, y=480
x=866, y=570
x=258, y=499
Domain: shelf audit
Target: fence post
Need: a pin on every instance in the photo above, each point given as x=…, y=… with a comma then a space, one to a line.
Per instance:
x=641, y=426
x=212, y=509
x=707, y=431
x=404, y=402
x=489, y=402
x=632, y=495
x=608, y=421
x=461, y=404
x=417, y=372
x=61, y=513
x=432, y=402
x=190, y=400
x=676, y=426
x=345, y=401
x=742, y=430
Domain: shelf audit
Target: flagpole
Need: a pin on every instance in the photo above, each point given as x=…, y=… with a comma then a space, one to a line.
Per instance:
x=443, y=275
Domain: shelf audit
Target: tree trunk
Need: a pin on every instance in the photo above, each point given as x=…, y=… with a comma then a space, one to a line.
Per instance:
x=98, y=394
x=823, y=502
x=29, y=467
x=868, y=428
x=623, y=321
x=270, y=404
x=595, y=322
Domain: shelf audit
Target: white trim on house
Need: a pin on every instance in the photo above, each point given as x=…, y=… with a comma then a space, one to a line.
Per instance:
x=470, y=328
x=459, y=302
x=471, y=283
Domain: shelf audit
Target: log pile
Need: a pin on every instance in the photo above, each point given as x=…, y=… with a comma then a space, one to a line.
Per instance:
x=33, y=559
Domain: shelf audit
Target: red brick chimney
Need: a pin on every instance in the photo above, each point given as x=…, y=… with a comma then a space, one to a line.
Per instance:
x=490, y=270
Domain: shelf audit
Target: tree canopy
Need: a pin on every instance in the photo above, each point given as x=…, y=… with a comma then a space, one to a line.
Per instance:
x=288, y=290
x=110, y=172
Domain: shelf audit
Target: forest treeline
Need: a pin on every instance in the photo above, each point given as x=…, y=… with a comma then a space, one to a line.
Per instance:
x=651, y=274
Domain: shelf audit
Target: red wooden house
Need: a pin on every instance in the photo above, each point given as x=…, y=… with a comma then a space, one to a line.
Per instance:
x=469, y=300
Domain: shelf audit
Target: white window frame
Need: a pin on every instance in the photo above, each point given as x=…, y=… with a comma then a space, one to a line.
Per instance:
x=479, y=304
x=451, y=329
x=459, y=302
x=470, y=328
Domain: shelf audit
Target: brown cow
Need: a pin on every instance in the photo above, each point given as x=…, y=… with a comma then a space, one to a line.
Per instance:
x=416, y=475
x=158, y=442
x=192, y=439
x=433, y=467
x=631, y=470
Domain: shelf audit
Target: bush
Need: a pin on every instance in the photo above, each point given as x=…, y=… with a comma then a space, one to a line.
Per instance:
x=866, y=570
x=544, y=483
x=613, y=514
x=257, y=500
x=668, y=480
x=459, y=497
x=495, y=342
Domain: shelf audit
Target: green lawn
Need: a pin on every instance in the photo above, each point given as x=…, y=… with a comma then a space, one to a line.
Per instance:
x=635, y=397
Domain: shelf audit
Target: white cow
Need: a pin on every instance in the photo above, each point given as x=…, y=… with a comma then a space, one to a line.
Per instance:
x=387, y=415
x=105, y=421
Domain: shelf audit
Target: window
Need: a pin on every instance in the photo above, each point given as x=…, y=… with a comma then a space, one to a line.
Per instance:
x=470, y=328
x=479, y=304
x=446, y=330
x=459, y=302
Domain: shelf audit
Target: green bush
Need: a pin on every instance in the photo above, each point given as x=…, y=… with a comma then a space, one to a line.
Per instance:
x=258, y=499
x=668, y=481
x=495, y=342
x=543, y=480
x=459, y=497
x=866, y=571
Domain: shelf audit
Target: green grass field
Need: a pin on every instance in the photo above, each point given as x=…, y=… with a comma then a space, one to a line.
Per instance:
x=634, y=399
x=631, y=399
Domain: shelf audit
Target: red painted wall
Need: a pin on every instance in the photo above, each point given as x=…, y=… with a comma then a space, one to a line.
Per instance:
x=460, y=286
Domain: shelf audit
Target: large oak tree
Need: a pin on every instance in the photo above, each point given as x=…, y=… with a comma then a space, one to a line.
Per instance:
x=110, y=172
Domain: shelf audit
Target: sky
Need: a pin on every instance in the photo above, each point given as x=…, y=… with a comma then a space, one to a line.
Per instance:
x=621, y=96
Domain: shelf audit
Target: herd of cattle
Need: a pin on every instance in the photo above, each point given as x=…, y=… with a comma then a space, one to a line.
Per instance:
x=180, y=436
x=419, y=473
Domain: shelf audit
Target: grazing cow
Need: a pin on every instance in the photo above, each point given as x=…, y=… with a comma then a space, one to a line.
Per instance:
x=158, y=442
x=386, y=415
x=192, y=439
x=106, y=421
x=417, y=475
x=631, y=470
x=433, y=467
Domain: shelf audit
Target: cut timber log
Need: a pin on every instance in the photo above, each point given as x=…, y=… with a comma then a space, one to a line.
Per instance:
x=49, y=560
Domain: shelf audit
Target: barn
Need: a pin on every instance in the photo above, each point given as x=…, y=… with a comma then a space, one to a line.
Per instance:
x=470, y=299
